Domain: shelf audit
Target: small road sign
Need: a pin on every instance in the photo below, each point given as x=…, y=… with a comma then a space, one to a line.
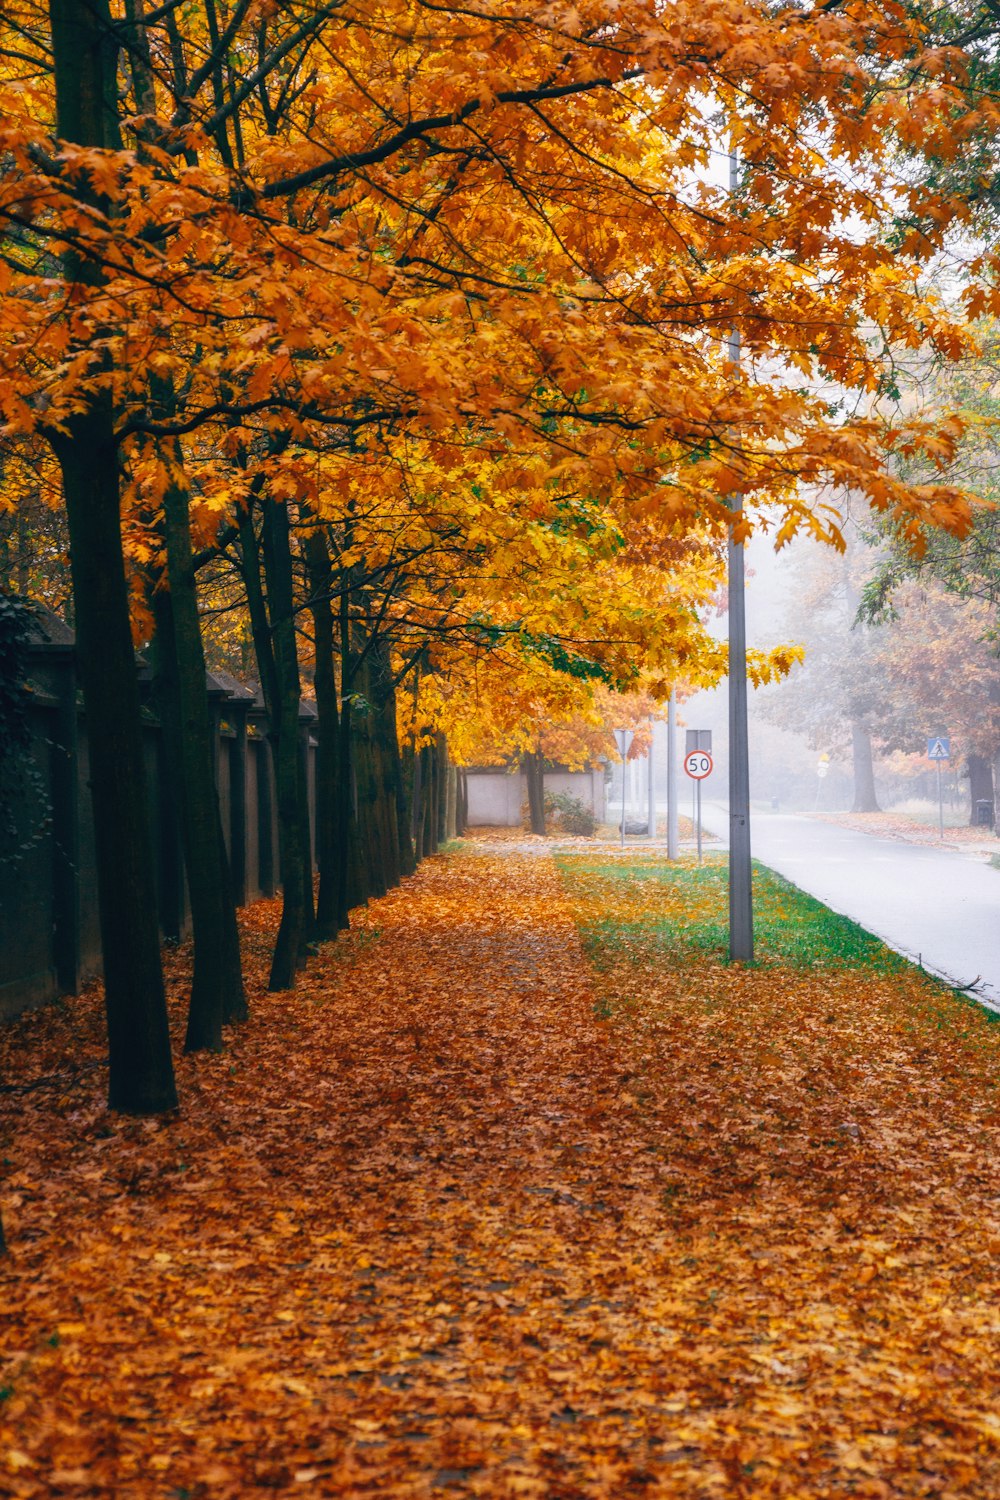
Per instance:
x=698, y=764
x=623, y=739
x=939, y=748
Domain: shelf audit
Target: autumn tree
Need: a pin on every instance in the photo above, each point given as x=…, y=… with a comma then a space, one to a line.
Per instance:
x=837, y=697
x=338, y=226
x=84, y=440
x=937, y=594
x=939, y=652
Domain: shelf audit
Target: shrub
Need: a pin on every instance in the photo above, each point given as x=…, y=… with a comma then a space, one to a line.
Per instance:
x=570, y=814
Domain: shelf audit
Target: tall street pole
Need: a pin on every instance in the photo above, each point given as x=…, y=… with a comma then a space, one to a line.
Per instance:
x=740, y=871
x=624, y=764
x=673, y=841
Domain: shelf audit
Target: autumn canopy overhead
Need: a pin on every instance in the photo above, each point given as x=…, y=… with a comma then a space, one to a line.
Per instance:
x=398, y=331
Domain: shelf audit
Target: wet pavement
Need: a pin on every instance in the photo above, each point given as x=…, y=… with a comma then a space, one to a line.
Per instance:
x=936, y=906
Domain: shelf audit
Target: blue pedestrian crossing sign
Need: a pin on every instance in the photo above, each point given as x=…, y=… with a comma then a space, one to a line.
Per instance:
x=939, y=748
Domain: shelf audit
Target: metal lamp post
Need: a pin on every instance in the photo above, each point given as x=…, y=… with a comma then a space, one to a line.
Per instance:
x=740, y=869
x=673, y=842
x=623, y=739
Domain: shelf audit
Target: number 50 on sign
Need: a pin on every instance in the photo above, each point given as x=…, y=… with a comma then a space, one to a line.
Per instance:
x=698, y=764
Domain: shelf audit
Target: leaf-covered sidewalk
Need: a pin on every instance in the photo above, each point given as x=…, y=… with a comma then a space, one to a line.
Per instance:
x=471, y=1214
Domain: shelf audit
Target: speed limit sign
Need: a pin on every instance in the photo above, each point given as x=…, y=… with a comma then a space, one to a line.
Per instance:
x=698, y=764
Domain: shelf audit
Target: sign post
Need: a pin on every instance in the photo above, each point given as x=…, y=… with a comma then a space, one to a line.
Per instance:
x=698, y=764
x=939, y=750
x=623, y=739
x=673, y=843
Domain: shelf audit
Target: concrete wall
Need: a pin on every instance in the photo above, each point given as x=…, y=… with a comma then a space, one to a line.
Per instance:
x=497, y=796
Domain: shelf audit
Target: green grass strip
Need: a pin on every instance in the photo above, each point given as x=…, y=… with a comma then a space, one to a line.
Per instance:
x=683, y=913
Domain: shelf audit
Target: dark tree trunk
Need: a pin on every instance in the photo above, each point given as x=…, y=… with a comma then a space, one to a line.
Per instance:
x=405, y=769
x=865, y=799
x=394, y=813
x=141, y=1077
x=217, y=993
x=406, y=857
x=462, y=819
x=534, y=771
x=285, y=737
x=351, y=818
x=417, y=798
x=428, y=821
x=331, y=850
x=306, y=836
x=370, y=840
x=980, y=783
x=451, y=803
x=413, y=773
x=440, y=789
x=350, y=889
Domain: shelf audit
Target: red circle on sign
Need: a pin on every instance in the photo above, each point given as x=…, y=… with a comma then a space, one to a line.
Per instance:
x=698, y=764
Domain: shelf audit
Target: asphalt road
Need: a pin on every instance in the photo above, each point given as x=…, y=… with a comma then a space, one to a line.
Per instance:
x=932, y=905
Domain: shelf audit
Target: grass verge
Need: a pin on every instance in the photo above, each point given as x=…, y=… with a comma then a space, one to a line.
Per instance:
x=673, y=913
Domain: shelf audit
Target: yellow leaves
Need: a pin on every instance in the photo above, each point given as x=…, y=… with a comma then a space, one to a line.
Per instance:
x=771, y=666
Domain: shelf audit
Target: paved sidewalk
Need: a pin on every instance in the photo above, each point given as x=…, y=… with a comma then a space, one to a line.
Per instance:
x=935, y=906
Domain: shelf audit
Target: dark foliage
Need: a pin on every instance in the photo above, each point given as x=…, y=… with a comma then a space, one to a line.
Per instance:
x=24, y=805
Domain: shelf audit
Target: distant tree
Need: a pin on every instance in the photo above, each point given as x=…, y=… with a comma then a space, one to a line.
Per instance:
x=835, y=697
x=939, y=593
x=940, y=656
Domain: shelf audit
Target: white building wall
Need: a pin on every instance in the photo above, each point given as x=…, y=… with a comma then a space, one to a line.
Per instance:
x=496, y=797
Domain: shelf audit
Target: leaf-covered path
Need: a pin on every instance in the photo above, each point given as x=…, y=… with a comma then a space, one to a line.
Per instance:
x=464, y=1215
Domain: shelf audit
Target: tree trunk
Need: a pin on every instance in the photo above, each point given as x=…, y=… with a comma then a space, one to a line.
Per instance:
x=365, y=756
x=451, y=803
x=331, y=850
x=306, y=838
x=463, y=802
x=394, y=812
x=141, y=1076
x=285, y=738
x=865, y=799
x=404, y=771
x=440, y=788
x=428, y=821
x=980, y=783
x=217, y=993
x=534, y=770
x=417, y=797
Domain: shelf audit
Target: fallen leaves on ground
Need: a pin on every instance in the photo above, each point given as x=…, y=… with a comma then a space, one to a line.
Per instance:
x=889, y=825
x=432, y=1227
